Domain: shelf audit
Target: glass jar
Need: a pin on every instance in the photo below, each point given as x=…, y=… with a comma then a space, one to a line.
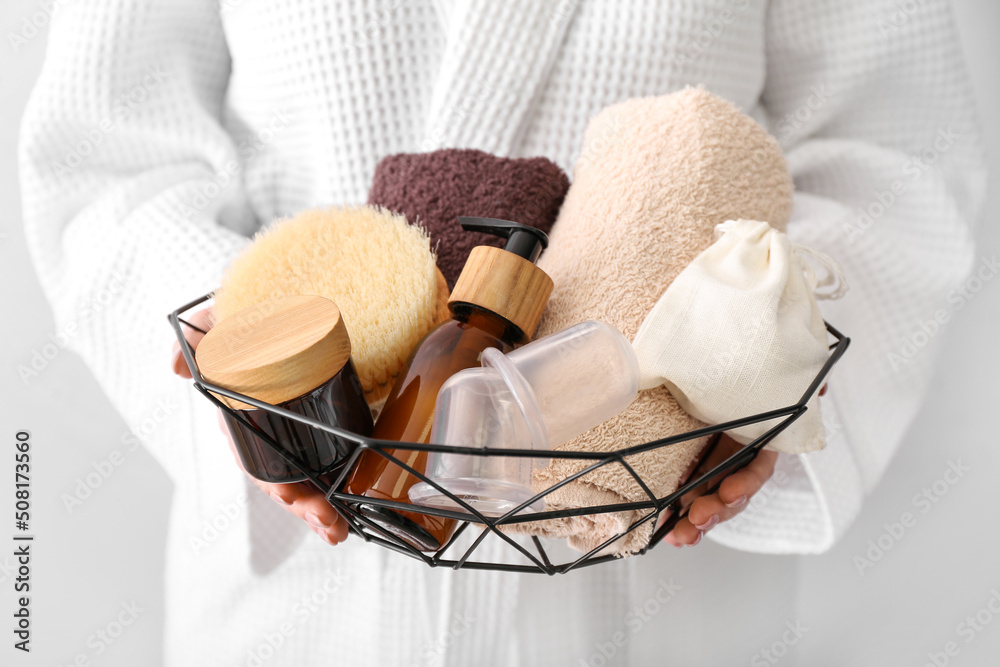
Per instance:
x=292, y=352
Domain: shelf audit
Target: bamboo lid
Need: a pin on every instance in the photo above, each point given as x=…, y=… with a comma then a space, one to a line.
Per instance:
x=506, y=284
x=277, y=350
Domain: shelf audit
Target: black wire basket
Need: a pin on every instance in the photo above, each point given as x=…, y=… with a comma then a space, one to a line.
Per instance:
x=532, y=553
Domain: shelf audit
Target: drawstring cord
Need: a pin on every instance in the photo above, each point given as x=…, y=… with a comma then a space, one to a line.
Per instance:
x=834, y=278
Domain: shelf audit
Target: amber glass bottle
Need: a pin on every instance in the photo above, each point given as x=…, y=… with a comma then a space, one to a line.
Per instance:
x=497, y=302
x=407, y=417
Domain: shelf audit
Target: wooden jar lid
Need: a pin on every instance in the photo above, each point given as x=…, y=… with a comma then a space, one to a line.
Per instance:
x=277, y=350
x=502, y=282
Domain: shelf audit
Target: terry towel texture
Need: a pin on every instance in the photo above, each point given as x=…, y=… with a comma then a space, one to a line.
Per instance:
x=654, y=177
x=433, y=189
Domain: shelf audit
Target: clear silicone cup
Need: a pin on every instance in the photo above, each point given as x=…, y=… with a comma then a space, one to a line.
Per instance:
x=482, y=412
x=538, y=396
x=581, y=376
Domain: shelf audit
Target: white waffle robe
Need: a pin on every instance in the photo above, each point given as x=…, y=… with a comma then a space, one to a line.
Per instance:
x=163, y=133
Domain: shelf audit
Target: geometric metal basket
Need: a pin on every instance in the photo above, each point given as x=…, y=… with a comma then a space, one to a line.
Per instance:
x=530, y=552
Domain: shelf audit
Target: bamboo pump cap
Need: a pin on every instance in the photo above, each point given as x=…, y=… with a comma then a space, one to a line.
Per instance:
x=505, y=280
x=277, y=350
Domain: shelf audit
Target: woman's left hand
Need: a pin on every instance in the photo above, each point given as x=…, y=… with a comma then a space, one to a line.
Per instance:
x=730, y=499
x=299, y=498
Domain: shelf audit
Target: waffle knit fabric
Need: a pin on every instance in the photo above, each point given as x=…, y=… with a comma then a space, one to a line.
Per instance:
x=163, y=133
x=433, y=189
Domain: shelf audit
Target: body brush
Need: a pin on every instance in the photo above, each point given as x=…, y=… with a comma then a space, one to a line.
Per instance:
x=377, y=268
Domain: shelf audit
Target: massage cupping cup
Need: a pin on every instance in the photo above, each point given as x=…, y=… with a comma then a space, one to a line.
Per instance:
x=654, y=177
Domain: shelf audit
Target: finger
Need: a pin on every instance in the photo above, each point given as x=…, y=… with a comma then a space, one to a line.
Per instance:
x=325, y=521
x=723, y=449
x=283, y=494
x=301, y=499
x=672, y=540
x=685, y=534
x=705, y=514
x=177, y=363
x=309, y=504
x=708, y=511
x=203, y=320
x=739, y=487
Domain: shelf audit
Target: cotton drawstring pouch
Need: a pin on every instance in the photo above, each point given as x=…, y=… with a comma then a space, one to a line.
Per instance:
x=738, y=332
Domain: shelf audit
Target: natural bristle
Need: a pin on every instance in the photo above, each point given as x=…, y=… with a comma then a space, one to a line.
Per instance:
x=376, y=267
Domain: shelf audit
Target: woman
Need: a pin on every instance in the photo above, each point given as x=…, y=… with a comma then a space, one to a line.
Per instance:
x=162, y=134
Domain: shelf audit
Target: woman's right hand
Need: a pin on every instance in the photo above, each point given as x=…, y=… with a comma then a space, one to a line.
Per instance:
x=301, y=499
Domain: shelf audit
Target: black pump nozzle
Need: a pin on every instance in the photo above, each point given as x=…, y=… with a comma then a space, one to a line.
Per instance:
x=522, y=240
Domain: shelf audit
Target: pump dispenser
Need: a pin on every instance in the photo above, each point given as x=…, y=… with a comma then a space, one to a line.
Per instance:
x=497, y=303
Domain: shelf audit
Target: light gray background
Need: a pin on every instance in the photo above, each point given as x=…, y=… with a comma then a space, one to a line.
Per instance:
x=110, y=551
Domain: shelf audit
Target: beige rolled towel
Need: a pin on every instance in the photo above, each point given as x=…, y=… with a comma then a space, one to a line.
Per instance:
x=654, y=177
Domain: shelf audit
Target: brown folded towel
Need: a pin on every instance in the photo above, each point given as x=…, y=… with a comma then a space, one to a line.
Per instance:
x=433, y=189
x=655, y=176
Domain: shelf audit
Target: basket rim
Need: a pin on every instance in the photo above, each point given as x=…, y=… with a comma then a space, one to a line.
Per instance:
x=541, y=563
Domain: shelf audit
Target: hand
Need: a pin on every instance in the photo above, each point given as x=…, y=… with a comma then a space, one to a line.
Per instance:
x=302, y=498
x=203, y=320
x=730, y=499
